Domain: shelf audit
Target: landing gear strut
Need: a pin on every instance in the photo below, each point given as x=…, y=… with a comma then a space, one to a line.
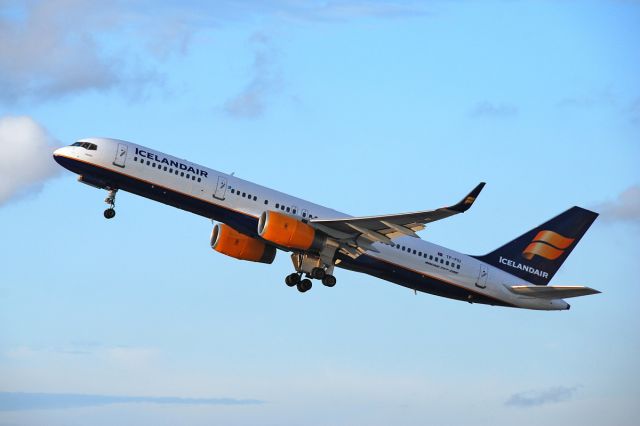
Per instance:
x=111, y=200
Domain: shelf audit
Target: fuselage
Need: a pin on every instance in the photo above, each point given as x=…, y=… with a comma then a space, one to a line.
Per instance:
x=413, y=263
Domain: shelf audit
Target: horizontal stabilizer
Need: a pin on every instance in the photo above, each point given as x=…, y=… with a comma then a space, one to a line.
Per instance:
x=552, y=292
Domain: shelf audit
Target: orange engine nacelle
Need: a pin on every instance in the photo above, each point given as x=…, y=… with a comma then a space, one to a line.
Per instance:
x=289, y=232
x=226, y=240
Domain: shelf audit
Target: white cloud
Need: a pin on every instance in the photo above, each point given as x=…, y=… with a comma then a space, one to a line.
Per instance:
x=626, y=208
x=55, y=48
x=489, y=109
x=265, y=81
x=132, y=357
x=26, y=161
x=48, y=50
x=547, y=396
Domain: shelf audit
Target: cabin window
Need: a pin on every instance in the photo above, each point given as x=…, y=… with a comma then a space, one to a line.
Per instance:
x=430, y=257
x=199, y=179
x=193, y=178
x=420, y=253
x=304, y=214
x=414, y=252
x=176, y=172
x=266, y=201
x=233, y=191
x=255, y=198
x=294, y=211
x=277, y=205
x=447, y=263
x=458, y=266
x=288, y=209
x=165, y=168
x=187, y=176
x=181, y=174
x=244, y=194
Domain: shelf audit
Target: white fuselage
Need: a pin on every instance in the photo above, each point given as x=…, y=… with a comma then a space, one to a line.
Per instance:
x=203, y=186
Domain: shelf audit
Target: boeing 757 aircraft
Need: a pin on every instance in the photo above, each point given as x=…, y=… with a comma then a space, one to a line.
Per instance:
x=256, y=222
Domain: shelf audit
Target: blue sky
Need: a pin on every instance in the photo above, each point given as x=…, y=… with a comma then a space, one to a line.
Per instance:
x=366, y=107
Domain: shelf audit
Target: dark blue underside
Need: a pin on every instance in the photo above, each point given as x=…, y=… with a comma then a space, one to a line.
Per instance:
x=248, y=225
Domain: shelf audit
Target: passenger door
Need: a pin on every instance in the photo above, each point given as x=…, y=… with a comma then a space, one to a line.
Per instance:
x=121, y=155
x=483, y=274
x=221, y=188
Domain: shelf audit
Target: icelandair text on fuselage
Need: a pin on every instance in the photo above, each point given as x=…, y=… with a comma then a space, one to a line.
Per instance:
x=170, y=163
x=525, y=268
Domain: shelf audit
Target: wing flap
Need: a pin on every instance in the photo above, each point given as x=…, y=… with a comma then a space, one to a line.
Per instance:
x=552, y=292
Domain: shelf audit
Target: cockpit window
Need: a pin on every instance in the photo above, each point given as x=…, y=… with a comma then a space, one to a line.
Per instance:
x=86, y=145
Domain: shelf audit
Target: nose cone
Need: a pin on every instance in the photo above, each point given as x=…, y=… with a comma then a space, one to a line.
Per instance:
x=57, y=154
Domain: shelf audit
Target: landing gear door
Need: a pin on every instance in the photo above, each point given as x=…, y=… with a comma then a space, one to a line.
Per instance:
x=121, y=155
x=483, y=274
x=221, y=188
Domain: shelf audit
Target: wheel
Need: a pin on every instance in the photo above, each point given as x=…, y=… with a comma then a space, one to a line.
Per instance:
x=318, y=273
x=292, y=279
x=304, y=285
x=329, y=280
x=109, y=213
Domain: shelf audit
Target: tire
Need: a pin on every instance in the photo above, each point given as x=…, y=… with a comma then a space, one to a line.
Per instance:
x=318, y=273
x=304, y=286
x=109, y=213
x=329, y=280
x=292, y=279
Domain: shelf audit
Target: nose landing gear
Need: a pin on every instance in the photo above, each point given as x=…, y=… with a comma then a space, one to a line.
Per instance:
x=111, y=200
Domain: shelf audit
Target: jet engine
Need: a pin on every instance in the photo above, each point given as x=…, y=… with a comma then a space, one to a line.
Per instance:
x=226, y=240
x=289, y=232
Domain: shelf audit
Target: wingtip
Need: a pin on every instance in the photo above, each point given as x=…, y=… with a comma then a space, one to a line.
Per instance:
x=466, y=203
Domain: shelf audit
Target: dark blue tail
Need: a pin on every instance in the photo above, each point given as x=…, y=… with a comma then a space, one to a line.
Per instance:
x=538, y=254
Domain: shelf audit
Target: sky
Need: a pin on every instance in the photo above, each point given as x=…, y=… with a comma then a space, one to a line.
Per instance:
x=367, y=107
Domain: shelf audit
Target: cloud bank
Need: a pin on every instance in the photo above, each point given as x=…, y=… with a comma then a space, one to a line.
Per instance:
x=626, y=208
x=55, y=48
x=19, y=401
x=536, y=398
x=26, y=161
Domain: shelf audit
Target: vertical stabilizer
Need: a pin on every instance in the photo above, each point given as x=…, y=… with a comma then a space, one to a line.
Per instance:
x=538, y=254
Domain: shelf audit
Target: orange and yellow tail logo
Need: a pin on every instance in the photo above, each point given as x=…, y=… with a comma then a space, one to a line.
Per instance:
x=547, y=244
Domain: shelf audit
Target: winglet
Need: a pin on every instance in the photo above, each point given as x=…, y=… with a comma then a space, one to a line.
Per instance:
x=467, y=201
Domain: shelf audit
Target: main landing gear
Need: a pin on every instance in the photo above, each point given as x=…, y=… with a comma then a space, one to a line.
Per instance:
x=111, y=200
x=311, y=267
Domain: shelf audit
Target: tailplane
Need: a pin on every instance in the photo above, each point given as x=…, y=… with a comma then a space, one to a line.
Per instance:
x=538, y=254
x=552, y=292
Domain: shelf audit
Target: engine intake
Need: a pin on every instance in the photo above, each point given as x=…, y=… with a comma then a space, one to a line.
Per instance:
x=289, y=232
x=228, y=241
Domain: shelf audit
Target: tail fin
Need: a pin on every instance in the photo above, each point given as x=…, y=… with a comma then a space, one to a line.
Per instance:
x=538, y=254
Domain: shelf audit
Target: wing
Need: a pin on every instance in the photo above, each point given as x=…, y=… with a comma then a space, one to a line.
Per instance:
x=552, y=292
x=357, y=234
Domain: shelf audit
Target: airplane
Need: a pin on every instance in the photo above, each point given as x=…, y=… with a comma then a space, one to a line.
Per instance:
x=254, y=222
